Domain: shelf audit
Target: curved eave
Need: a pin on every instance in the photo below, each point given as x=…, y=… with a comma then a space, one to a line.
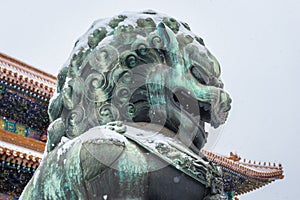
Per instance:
x=255, y=175
x=21, y=66
x=12, y=155
x=22, y=141
x=15, y=71
x=250, y=169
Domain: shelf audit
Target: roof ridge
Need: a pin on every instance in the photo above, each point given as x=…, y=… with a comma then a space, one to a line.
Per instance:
x=233, y=163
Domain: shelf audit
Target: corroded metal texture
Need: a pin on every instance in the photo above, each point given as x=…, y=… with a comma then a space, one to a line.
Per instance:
x=139, y=67
x=145, y=70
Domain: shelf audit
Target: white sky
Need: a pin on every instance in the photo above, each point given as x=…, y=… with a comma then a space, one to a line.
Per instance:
x=256, y=42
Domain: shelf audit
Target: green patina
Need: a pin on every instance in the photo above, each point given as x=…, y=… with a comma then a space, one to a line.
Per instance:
x=96, y=37
x=144, y=69
x=115, y=21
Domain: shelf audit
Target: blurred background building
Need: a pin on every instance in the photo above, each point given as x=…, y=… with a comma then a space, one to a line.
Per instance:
x=24, y=97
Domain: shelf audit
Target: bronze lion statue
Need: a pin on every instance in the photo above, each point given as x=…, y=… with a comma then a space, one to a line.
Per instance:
x=128, y=119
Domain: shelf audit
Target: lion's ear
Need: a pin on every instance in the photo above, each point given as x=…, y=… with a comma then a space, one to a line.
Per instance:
x=168, y=37
x=171, y=45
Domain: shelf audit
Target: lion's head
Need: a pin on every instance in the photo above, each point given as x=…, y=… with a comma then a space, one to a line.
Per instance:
x=139, y=67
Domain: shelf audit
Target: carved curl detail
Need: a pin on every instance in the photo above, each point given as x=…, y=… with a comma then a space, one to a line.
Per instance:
x=146, y=70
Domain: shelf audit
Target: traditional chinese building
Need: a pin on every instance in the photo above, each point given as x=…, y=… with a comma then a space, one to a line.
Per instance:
x=242, y=176
x=24, y=97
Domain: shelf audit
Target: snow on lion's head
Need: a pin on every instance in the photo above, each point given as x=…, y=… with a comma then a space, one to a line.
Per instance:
x=139, y=67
